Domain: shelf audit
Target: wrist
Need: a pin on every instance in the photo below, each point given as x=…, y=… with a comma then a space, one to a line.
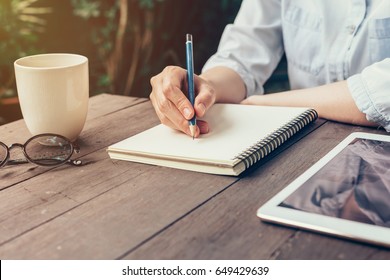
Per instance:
x=227, y=85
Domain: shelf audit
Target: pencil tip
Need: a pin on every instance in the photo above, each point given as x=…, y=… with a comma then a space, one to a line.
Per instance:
x=192, y=129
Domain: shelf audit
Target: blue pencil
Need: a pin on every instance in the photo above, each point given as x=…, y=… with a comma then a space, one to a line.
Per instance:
x=190, y=79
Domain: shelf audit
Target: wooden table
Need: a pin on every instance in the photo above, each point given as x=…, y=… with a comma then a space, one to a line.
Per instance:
x=121, y=210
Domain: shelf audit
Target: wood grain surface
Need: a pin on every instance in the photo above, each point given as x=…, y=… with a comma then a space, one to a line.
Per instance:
x=109, y=209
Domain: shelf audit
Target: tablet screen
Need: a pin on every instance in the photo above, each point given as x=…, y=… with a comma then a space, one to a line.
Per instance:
x=354, y=185
x=346, y=193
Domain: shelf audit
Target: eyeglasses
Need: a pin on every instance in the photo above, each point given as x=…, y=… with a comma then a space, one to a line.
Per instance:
x=43, y=149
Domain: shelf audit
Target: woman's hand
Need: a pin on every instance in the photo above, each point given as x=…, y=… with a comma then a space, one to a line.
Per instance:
x=172, y=106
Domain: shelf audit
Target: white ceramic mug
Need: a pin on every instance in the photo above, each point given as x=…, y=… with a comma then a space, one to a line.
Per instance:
x=53, y=92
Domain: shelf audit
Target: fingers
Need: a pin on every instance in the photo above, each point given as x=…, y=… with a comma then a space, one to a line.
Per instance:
x=205, y=98
x=171, y=90
x=171, y=104
x=203, y=127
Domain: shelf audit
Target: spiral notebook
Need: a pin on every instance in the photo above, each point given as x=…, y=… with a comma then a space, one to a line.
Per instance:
x=239, y=137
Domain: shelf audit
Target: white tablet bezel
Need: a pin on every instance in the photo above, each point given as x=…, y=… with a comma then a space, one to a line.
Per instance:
x=272, y=212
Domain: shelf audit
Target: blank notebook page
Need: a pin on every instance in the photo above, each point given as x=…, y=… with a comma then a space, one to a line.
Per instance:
x=233, y=129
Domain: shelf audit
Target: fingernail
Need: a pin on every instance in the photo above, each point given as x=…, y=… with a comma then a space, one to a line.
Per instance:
x=203, y=127
x=187, y=112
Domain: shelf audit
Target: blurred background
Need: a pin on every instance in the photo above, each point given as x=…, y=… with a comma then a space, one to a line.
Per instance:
x=126, y=41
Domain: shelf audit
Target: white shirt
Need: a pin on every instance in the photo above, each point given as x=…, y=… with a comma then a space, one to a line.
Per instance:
x=324, y=42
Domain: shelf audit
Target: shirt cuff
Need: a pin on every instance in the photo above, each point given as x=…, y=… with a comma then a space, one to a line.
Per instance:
x=362, y=96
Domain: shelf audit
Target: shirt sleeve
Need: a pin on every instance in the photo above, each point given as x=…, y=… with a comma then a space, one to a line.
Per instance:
x=370, y=90
x=253, y=45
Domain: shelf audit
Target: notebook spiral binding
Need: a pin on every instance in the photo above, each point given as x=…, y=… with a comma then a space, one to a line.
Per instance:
x=262, y=148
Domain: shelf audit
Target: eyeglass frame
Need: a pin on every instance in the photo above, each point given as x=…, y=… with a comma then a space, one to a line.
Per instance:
x=28, y=159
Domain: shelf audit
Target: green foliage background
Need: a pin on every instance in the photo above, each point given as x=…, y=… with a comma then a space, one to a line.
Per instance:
x=121, y=60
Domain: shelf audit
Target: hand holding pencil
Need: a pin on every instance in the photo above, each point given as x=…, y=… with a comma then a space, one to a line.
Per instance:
x=171, y=95
x=181, y=98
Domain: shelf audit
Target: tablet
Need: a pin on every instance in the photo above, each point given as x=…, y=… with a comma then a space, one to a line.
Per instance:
x=346, y=193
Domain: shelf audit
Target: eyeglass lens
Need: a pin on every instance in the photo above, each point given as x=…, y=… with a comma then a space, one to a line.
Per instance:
x=48, y=150
x=3, y=153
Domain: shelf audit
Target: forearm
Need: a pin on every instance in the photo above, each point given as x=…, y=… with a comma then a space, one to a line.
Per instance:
x=332, y=101
x=228, y=85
